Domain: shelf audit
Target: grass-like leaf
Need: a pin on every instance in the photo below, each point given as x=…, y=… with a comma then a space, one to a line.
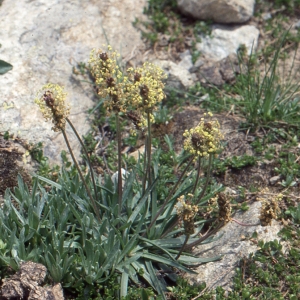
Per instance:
x=4, y=67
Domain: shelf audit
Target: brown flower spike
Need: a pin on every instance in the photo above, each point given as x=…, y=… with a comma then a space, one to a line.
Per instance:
x=186, y=213
x=52, y=102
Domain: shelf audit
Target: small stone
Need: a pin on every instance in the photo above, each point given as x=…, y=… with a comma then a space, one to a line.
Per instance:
x=273, y=180
x=229, y=191
x=25, y=284
x=179, y=76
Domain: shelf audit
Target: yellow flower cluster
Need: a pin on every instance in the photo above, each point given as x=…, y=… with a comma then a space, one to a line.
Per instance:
x=51, y=99
x=140, y=91
x=204, y=139
x=186, y=213
x=145, y=90
x=146, y=86
x=108, y=78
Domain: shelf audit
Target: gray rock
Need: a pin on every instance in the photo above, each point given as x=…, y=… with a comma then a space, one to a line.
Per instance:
x=199, y=63
x=43, y=40
x=226, y=40
x=234, y=242
x=210, y=74
x=186, y=60
x=179, y=76
x=220, y=11
x=218, y=73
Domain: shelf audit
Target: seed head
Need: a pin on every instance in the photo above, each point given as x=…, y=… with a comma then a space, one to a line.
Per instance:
x=186, y=213
x=269, y=210
x=52, y=102
x=224, y=208
x=146, y=87
x=109, y=78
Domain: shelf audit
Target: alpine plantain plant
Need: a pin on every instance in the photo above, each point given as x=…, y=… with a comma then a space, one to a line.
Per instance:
x=87, y=229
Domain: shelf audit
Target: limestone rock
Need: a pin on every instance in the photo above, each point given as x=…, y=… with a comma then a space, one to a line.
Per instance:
x=43, y=40
x=225, y=40
x=220, y=11
x=186, y=60
x=179, y=76
x=233, y=244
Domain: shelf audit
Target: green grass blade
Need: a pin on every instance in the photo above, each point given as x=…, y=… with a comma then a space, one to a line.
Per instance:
x=155, y=280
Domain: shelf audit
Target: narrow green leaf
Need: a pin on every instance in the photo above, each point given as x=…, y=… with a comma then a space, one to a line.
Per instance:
x=189, y=260
x=128, y=190
x=76, y=214
x=171, y=242
x=128, y=261
x=155, y=280
x=141, y=203
x=124, y=283
x=52, y=183
x=18, y=215
x=138, y=266
x=4, y=67
x=163, y=249
x=128, y=247
x=168, y=262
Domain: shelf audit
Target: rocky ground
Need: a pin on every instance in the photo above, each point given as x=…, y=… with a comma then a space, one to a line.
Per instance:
x=38, y=59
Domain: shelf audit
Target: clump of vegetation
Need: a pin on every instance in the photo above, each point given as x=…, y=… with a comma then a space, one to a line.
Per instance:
x=267, y=100
x=114, y=227
x=149, y=216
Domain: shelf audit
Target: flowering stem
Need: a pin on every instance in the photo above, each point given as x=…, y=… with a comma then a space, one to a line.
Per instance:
x=243, y=224
x=149, y=149
x=207, y=235
x=170, y=194
x=120, y=190
x=198, y=175
x=81, y=176
x=147, y=155
x=145, y=168
x=86, y=154
x=182, y=247
x=207, y=179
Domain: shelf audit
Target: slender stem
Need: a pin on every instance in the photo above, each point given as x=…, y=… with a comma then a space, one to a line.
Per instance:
x=119, y=141
x=243, y=224
x=181, y=249
x=86, y=154
x=170, y=194
x=203, y=238
x=145, y=167
x=149, y=149
x=207, y=179
x=198, y=175
x=81, y=176
x=147, y=155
